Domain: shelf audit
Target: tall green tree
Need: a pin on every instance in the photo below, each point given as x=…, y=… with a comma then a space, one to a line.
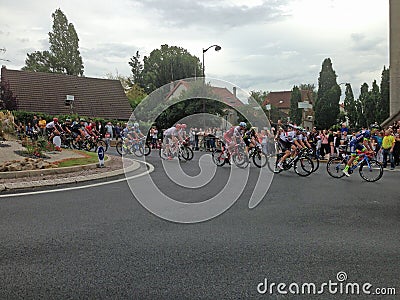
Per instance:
x=64, y=55
x=384, y=105
x=361, y=105
x=295, y=113
x=136, y=69
x=350, y=106
x=168, y=64
x=328, y=96
x=372, y=102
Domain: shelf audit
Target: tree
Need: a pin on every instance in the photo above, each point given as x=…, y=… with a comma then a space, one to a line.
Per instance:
x=350, y=106
x=136, y=69
x=384, y=104
x=361, y=105
x=328, y=96
x=295, y=113
x=372, y=108
x=190, y=102
x=64, y=56
x=8, y=99
x=166, y=65
x=39, y=61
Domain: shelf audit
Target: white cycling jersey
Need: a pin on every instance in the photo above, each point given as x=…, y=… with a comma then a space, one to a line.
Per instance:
x=171, y=131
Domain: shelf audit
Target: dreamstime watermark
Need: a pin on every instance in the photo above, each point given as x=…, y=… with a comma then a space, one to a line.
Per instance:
x=340, y=286
x=180, y=94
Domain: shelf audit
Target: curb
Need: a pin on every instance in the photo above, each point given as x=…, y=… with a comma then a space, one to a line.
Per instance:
x=50, y=171
x=78, y=179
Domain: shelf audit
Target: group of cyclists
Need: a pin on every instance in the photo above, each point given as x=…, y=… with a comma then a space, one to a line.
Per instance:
x=289, y=138
x=79, y=131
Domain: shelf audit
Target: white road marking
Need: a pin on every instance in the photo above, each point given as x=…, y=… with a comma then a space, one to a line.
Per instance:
x=151, y=169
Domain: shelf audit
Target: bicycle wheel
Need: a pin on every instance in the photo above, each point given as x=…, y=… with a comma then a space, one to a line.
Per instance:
x=316, y=163
x=146, y=149
x=259, y=159
x=121, y=148
x=163, y=152
x=103, y=144
x=184, y=152
x=218, y=157
x=88, y=145
x=189, y=152
x=137, y=149
x=303, y=166
x=240, y=159
x=335, y=167
x=371, y=172
x=272, y=163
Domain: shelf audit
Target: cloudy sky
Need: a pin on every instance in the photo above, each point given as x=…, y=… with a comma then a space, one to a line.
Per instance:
x=267, y=45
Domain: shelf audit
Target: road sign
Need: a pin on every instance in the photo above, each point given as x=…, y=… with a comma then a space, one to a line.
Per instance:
x=304, y=105
x=100, y=154
x=268, y=107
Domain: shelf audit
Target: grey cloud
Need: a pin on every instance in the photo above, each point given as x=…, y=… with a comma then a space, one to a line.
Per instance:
x=111, y=50
x=206, y=14
x=361, y=43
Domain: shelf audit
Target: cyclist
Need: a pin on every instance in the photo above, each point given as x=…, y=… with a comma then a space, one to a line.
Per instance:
x=285, y=138
x=171, y=136
x=250, y=138
x=359, y=142
x=53, y=128
x=234, y=135
x=135, y=131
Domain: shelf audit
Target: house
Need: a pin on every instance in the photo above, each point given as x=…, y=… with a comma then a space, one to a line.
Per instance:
x=60, y=94
x=281, y=100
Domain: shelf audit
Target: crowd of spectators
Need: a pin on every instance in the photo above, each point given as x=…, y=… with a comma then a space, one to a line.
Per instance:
x=385, y=142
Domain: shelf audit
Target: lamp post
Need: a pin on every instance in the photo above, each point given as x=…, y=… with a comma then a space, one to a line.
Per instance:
x=217, y=48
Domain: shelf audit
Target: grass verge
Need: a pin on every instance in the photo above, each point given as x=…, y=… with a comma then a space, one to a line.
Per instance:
x=90, y=158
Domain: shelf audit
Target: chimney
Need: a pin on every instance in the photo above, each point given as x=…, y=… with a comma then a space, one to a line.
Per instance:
x=234, y=91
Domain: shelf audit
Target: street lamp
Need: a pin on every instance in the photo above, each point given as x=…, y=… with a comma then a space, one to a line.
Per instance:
x=217, y=48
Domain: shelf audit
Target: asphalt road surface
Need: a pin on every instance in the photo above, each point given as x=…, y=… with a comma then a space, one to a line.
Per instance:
x=100, y=243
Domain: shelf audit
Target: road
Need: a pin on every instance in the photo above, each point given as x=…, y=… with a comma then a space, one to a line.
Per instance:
x=100, y=243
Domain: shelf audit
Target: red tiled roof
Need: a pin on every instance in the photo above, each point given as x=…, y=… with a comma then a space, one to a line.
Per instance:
x=281, y=99
x=46, y=92
x=227, y=96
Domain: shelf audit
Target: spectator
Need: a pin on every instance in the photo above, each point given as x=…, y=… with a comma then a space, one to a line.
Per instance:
x=118, y=131
x=108, y=132
x=42, y=126
x=29, y=130
x=344, y=128
x=154, y=136
x=396, y=149
x=388, y=143
x=35, y=123
x=325, y=148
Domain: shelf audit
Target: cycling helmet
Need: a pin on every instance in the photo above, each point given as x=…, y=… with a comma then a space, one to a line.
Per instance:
x=242, y=124
x=367, y=134
x=67, y=120
x=136, y=125
x=55, y=120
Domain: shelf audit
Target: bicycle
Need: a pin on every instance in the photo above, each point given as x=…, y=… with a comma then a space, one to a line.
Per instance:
x=134, y=146
x=223, y=155
x=301, y=163
x=177, y=149
x=259, y=158
x=370, y=169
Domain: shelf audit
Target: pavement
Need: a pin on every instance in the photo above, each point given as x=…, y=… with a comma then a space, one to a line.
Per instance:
x=34, y=178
